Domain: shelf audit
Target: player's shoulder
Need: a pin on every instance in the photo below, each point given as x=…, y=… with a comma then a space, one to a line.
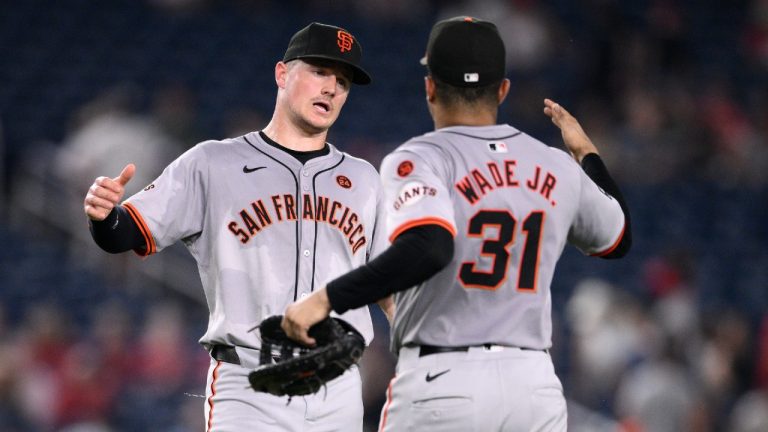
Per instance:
x=357, y=161
x=562, y=158
x=430, y=141
x=217, y=144
x=424, y=150
x=209, y=153
x=458, y=137
x=212, y=147
x=548, y=154
x=420, y=147
x=353, y=160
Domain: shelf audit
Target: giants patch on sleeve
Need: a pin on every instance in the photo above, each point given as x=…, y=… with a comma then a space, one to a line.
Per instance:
x=413, y=192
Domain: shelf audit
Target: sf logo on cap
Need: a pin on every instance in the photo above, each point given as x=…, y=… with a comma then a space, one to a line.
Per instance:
x=344, y=41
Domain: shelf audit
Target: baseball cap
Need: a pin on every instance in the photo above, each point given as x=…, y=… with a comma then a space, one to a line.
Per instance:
x=465, y=52
x=324, y=41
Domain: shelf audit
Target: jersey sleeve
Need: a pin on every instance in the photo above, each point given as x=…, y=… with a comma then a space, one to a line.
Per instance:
x=172, y=207
x=415, y=194
x=599, y=222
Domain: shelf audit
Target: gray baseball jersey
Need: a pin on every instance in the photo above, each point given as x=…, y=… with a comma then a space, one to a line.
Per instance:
x=514, y=202
x=264, y=229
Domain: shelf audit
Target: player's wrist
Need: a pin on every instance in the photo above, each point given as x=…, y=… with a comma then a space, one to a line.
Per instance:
x=323, y=300
x=108, y=220
x=581, y=154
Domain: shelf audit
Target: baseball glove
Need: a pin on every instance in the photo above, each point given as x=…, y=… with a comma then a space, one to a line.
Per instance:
x=290, y=368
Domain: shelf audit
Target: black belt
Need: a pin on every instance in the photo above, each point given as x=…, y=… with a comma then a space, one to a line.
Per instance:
x=425, y=350
x=225, y=353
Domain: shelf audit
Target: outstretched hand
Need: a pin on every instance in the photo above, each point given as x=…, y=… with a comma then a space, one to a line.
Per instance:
x=105, y=193
x=574, y=137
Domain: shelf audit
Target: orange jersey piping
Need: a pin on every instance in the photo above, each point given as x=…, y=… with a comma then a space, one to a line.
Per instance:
x=613, y=246
x=145, y=232
x=214, y=377
x=424, y=221
x=387, y=404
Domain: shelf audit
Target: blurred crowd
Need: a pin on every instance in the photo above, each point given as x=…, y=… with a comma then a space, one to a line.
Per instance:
x=674, y=94
x=116, y=373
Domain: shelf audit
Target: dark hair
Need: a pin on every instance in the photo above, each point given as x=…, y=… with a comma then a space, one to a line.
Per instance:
x=450, y=95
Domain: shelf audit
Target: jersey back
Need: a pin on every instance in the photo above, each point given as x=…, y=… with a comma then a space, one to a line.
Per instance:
x=512, y=204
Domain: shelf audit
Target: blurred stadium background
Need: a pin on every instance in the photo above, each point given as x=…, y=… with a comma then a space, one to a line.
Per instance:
x=674, y=93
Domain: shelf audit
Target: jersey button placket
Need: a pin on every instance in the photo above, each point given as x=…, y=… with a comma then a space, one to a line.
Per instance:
x=307, y=236
x=305, y=185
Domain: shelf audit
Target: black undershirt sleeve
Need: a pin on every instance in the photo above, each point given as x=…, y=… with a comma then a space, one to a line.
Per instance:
x=416, y=255
x=118, y=232
x=595, y=169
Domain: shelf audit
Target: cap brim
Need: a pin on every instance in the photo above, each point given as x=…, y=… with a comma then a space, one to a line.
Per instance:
x=359, y=75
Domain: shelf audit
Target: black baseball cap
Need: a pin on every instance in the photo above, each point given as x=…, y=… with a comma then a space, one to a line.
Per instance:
x=324, y=41
x=465, y=52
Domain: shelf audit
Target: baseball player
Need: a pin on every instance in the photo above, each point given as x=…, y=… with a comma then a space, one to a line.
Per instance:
x=478, y=214
x=269, y=216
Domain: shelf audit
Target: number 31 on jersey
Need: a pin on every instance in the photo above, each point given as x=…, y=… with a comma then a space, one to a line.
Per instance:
x=497, y=248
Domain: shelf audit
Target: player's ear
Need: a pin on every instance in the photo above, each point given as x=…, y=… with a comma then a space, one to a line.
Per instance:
x=281, y=71
x=429, y=88
x=503, y=90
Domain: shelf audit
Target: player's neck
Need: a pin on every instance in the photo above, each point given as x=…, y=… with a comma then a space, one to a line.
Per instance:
x=294, y=138
x=444, y=117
